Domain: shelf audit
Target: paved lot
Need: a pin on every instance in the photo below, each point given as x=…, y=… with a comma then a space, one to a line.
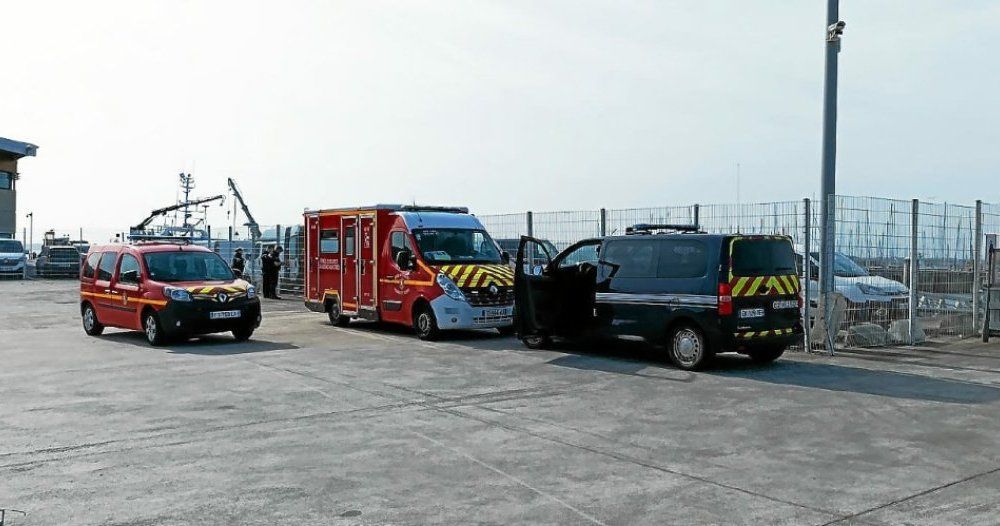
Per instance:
x=311, y=424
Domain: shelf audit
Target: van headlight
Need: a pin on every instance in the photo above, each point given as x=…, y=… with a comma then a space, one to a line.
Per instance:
x=177, y=294
x=449, y=287
x=869, y=290
x=251, y=292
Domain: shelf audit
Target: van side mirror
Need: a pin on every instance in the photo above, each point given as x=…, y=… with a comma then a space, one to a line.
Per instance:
x=505, y=257
x=129, y=276
x=404, y=259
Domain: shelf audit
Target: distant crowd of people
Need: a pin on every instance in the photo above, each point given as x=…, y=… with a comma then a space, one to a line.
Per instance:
x=270, y=266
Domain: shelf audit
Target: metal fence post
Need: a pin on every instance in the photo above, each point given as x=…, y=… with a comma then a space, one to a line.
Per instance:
x=697, y=212
x=277, y=243
x=977, y=258
x=914, y=269
x=807, y=277
x=604, y=222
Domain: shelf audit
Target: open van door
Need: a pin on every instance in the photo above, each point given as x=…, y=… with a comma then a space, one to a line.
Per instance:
x=534, y=293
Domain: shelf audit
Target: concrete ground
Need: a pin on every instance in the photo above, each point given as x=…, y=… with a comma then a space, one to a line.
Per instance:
x=312, y=424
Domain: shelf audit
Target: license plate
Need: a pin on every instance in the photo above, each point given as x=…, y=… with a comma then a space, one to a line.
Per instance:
x=224, y=314
x=496, y=313
x=786, y=304
x=751, y=313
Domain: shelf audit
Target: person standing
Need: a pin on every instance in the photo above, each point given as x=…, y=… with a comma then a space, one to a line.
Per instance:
x=239, y=264
x=270, y=266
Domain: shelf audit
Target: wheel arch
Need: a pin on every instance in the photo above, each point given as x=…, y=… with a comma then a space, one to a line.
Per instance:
x=688, y=318
x=417, y=305
x=148, y=309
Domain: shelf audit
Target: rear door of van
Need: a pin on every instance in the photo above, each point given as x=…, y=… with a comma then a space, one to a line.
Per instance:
x=764, y=285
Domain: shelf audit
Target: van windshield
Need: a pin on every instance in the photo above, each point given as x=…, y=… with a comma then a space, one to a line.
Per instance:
x=8, y=246
x=844, y=266
x=187, y=266
x=456, y=245
x=763, y=257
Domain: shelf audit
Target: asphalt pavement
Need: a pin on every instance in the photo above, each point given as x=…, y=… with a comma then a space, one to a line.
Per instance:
x=314, y=424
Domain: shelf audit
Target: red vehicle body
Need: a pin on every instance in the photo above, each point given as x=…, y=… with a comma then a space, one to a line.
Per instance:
x=433, y=268
x=165, y=290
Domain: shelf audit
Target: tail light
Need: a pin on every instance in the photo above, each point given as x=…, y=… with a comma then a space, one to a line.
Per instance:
x=725, y=300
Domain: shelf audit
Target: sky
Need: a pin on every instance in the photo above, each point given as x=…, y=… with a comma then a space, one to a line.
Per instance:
x=499, y=106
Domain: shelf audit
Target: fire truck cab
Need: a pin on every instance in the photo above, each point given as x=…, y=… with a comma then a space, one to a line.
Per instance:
x=432, y=268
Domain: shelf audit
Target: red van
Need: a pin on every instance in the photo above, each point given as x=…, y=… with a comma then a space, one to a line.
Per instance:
x=165, y=289
x=433, y=268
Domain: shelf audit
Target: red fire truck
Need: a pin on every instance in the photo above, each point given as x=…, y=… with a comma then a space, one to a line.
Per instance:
x=433, y=268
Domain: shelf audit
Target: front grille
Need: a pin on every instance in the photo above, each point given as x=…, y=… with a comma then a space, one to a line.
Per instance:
x=491, y=320
x=481, y=297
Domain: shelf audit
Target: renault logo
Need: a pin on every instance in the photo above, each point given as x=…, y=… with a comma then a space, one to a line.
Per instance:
x=222, y=297
x=494, y=290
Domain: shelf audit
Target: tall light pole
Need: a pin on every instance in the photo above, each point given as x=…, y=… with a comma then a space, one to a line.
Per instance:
x=834, y=29
x=31, y=222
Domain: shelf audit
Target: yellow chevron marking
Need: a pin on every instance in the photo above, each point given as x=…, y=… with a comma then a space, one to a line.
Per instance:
x=741, y=284
x=465, y=276
x=754, y=286
x=775, y=283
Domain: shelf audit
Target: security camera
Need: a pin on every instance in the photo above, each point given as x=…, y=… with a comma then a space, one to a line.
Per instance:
x=834, y=31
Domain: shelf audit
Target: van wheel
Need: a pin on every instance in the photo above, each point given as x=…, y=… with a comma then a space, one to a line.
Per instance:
x=336, y=318
x=90, y=324
x=154, y=331
x=426, y=324
x=688, y=349
x=766, y=354
x=537, y=341
x=243, y=333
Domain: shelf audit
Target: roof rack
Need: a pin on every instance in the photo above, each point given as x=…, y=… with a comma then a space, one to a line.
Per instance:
x=422, y=208
x=149, y=239
x=647, y=228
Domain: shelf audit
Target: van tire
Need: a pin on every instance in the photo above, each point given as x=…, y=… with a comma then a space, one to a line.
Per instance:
x=91, y=325
x=425, y=324
x=243, y=333
x=154, y=330
x=766, y=354
x=687, y=348
x=336, y=318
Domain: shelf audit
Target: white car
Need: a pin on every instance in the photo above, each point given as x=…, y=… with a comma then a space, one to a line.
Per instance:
x=869, y=298
x=12, y=258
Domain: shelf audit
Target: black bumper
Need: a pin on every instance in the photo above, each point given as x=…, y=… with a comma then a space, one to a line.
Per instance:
x=194, y=317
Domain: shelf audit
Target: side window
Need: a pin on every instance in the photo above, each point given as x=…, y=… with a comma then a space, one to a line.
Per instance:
x=398, y=241
x=682, y=259
x=107, y=266
x=129, y=263
x=329, y=241
x=632, y=259
x=585, y=253
x=6, y=180
x=90, y=265
x=349, y=241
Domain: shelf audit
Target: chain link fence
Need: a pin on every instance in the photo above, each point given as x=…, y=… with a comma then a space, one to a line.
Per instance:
x=890, y=254
x=898, y=263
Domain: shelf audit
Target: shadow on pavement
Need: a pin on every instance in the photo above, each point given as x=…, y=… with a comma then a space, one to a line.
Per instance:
x=857, y=380
x=634, y=358
x=619, y=357
x=209, y=345
x=397, y=329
